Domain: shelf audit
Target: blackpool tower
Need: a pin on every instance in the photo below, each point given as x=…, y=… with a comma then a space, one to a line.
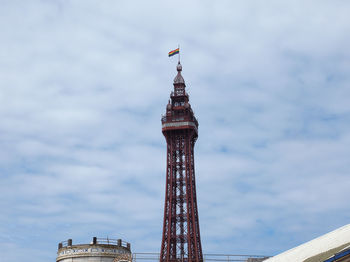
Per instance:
x=181, y=238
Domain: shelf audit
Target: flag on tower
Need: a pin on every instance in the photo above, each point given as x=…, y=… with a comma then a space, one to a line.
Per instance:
x=174, y=52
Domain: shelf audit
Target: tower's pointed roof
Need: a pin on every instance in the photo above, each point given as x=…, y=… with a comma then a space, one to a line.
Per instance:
x=178, y=78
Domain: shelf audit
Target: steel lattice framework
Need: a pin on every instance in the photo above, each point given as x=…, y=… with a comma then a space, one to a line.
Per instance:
x=181, y=237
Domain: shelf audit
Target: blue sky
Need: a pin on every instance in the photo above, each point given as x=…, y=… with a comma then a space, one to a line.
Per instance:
x=83, y=85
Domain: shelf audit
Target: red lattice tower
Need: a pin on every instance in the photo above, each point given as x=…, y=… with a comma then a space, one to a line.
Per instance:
x=181, y=237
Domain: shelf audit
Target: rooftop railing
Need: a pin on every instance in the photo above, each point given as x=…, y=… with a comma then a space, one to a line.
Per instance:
x=96, y=241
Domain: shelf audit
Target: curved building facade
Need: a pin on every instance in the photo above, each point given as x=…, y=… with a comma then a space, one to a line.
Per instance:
x=99, y=250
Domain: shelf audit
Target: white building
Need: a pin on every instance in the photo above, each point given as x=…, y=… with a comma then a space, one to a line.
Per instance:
x=100, y=250
x=318, y=249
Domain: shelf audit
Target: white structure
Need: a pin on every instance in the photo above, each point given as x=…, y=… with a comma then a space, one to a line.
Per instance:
x=100, y=250
x=314, y=247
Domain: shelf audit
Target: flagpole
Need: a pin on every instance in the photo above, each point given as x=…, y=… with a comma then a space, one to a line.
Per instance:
x=179, y=52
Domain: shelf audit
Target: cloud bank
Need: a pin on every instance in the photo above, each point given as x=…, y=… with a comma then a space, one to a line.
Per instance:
x=83, y=87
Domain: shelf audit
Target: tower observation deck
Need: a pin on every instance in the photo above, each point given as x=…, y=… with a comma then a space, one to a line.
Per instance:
x=181, y=236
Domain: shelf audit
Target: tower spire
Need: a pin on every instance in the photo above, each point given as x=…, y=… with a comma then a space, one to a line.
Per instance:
x=178, y=78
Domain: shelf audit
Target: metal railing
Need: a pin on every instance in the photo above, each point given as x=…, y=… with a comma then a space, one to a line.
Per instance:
x=100, y=241
x=207, y=257
x=111, y=241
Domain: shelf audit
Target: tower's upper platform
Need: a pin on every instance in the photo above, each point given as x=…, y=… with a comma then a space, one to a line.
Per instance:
x=179, y=114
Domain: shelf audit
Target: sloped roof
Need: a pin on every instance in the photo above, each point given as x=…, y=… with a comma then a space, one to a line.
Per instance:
x=328, y=254
x=332, y=240
x=342, y=255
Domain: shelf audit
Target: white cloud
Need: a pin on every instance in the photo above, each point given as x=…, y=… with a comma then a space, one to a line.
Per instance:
x=83, y=87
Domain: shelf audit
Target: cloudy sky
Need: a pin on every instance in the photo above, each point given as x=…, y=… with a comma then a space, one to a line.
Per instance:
x=83, y=85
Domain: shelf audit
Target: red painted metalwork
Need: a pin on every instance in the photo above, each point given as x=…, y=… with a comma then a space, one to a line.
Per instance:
x=181, y=237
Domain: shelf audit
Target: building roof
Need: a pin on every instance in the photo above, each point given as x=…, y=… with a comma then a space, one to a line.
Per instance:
x=344, y=253
x=333, y=240
x=328, y=255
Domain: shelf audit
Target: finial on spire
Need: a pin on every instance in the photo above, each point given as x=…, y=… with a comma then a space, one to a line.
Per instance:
x=179, y=67
x=179, y=79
